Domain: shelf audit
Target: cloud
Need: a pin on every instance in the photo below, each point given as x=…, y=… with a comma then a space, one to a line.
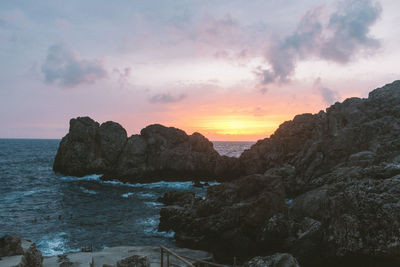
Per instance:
x=350, y=27
x=344, y=36
x=328, y=95
x=66, y=68
x=123, y=75
x=166, y=98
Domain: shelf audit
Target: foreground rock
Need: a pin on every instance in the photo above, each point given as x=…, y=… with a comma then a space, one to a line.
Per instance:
x=226, y=222
x=338, y=199
x=10, y=245
x=159, y=152
x=276, y=260
x=32, y=258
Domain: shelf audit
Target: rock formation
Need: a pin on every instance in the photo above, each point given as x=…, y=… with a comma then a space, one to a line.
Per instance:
x=10, y=245
x=89, y=148
x=323, y=187
x=276, y=260
x=31, y=258
x=159, y=152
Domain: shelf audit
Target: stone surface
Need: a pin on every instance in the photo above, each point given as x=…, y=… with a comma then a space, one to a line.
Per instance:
x=133, y=261
x=355, y=133
x=10, y=245
x=159, y=152
x=275, y=260
x=110, y=256
x=89, y=148
x=227, y=221
x=32, y=257
x=339, y=176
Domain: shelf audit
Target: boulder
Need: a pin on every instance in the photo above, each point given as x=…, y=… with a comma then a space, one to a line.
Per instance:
x=275, y=260
x=31, y=258
x=227, y=221
x=89, y=148
x=10, y=245
x=134, y=261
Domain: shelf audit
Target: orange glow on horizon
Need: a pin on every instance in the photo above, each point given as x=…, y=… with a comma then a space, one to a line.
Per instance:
x=234, y=127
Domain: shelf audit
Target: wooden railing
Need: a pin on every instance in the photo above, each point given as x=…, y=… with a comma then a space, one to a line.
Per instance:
x=187, y=260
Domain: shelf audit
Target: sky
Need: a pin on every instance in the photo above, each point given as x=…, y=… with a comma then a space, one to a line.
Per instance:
x=231, y=70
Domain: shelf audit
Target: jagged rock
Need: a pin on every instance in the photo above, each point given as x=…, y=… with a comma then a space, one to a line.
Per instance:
x=276, y=260
x=31, y=258
x=177, y=198
x=227, y=221
x=340, y=170
x=355, y=133
x=89, y=148
x=10, y=245
x=159, y=152
x=134, y=261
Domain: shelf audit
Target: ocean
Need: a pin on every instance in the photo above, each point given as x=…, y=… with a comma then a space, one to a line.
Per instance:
x=65, y=213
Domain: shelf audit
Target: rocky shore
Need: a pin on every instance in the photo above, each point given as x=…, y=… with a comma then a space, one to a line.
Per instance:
x=15, y=252
x=324, y=187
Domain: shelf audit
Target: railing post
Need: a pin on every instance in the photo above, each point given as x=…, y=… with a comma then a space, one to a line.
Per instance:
x=162, y=257
x=234, y=261
x=167, y=259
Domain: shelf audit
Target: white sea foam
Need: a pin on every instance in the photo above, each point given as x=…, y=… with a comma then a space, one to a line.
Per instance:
x=145, y=195
x=92, y=177
x=150, y=227
x=126, y=195
x=87, y=191
x=153, y=204
x=54, y=245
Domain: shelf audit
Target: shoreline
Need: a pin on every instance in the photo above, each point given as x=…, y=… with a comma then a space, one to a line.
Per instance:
x=109, y=256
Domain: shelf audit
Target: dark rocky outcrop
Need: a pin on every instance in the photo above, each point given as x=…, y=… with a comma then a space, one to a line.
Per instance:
x=357, y=132
x=226, y=221
x=89, y=148
x=159, y=152
x=32, y=257
x=338, y=199
x=10, y=245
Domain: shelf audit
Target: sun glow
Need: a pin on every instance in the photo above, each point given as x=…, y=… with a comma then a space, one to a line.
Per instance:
x=238, y=127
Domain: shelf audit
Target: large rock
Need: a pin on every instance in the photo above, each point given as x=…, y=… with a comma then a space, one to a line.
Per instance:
x=159, y=152
x=31, y=258
x=357, y=132
x=276, y=260
x=340, y=173
x=10, y=245
x=89, y=148
x=134, y=261
x=228, y=220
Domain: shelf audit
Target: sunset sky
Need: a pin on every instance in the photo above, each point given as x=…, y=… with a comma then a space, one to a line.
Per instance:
x=231, y=70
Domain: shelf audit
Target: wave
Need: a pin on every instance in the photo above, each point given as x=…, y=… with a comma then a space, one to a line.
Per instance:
x=126, y=195
x=150, y=227
x=54, y=245
x=91, y=177
x=162, y=184
x=87, y=191
x=153, y=204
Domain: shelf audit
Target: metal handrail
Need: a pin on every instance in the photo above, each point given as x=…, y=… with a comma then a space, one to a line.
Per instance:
x=185, y=259
x=188, y=263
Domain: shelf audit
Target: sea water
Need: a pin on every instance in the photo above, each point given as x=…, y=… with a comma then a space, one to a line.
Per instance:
x=65, y=213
